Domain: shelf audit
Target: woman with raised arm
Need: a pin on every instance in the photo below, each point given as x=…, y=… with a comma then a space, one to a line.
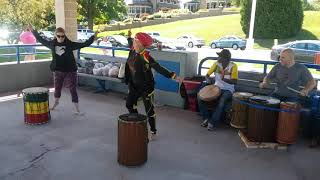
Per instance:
x=64, y=65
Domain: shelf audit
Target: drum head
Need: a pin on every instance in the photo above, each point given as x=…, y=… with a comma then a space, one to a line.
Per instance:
x=242, y=95
x=209, y=93
x=133, y=117
x=265, y=100
x=35, y=90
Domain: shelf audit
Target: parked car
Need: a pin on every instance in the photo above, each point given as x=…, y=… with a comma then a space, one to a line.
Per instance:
x=154, y=34
x=191, y=41
x=116, y=41
x=86, y=32
x=233, y=42
x=304, y=50
x=48, y=35
x=167, y=43
x=4, y=34
x=81, y=37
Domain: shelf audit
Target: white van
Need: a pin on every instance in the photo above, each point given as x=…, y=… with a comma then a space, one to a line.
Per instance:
x=86, y=32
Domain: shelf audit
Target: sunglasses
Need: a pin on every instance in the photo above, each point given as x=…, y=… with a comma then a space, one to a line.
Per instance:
x=62, y=36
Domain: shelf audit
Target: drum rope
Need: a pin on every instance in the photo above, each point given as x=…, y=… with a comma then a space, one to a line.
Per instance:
x=262, y=107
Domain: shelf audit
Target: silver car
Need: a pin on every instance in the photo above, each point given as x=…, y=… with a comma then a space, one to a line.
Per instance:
x=191, y=41
x=304, y=50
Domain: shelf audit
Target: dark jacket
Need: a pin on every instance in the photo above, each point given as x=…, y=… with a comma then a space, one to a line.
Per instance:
x=141, y=76
x=62, y=53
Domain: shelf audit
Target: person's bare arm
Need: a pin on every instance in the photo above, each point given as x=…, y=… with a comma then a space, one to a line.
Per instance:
x=309, y=86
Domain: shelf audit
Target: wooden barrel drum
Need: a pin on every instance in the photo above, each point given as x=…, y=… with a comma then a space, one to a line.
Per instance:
x=132, y=139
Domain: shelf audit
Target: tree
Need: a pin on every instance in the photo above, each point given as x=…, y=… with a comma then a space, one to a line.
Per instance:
x=236, y=2
x=274, y=19
x=100, y=11
x=15, y=14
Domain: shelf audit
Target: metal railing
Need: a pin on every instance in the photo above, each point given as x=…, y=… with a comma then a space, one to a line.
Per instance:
x=250, y=61
x=18, y=50
x=18, y=53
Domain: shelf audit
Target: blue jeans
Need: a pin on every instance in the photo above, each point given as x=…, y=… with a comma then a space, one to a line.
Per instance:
x=217, y=112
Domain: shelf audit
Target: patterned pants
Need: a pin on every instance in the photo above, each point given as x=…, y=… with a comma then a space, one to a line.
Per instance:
x=70, y=80
x=148, y=99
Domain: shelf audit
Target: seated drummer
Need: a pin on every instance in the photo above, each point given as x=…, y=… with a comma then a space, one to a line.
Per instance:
x=226, y=75
x=289, y=75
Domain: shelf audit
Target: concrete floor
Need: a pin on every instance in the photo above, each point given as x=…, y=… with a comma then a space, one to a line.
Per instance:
x=85, y=147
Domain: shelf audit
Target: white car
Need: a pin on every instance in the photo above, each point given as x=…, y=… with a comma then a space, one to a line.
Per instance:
x=86, y=32
x=47, y=35
x=154, y=34
x=81, y=37
x=168, y=43
x=4, y=34
x=191, y=41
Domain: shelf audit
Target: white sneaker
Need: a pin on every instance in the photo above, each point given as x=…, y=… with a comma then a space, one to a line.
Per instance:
x=152, y=136
x=204, y=123
x=77, y=113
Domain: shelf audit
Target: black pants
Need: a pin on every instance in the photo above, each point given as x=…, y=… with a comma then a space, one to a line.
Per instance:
x=148, y=99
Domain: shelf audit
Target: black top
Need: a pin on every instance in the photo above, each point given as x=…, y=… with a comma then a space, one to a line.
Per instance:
x=62, y=53
x=138, y=70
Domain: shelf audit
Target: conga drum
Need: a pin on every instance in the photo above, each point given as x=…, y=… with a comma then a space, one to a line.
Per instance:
x=262, y=123
x=132, y=139
x=36, y=105
x=288, y=123
x=209, y=93
x=239, y=117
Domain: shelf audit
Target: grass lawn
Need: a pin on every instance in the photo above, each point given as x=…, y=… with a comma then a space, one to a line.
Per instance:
x=13, y=58
x=211, y=28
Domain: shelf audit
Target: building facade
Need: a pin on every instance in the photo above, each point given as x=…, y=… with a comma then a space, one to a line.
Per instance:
x=137, y=7
x=195, y=5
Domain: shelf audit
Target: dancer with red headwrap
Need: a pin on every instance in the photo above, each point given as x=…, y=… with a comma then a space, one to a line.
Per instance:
x=139, y=77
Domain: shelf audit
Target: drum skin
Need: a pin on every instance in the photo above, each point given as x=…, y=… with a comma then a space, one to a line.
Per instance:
x=240, y=111
x=288, y=123
x=209, y=93
x=262, y=123
x=36, y=105
x=132, y=139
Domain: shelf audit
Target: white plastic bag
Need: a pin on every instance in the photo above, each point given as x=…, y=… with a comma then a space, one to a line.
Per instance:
x=98, y=65
x=98, y=72
x=121, y=70
x=114, y=71
x=105, y=70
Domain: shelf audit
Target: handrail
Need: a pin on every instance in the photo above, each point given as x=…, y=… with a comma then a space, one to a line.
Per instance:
x=263, y=62
x=18, y=53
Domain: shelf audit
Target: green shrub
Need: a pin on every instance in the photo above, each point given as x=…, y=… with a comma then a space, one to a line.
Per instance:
x=157, y=15
x=274, y=18
x=150, y=17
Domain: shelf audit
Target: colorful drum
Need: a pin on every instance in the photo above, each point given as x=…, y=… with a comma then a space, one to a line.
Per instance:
x=132, y=139
x=288, y=123
x=36, y=105
x=239, y=117
x=262, y=123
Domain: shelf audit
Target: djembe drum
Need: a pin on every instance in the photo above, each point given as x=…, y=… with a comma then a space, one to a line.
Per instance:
x=288, y=123
x=239, y=117
x=36, y=105
x=262, y=123
x=209, y=93
x=132, y=139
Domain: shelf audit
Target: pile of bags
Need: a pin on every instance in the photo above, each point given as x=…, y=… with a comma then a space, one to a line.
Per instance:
x=115, y=70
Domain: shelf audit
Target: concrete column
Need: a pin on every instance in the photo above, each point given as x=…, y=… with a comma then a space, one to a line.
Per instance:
x=66, y=17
